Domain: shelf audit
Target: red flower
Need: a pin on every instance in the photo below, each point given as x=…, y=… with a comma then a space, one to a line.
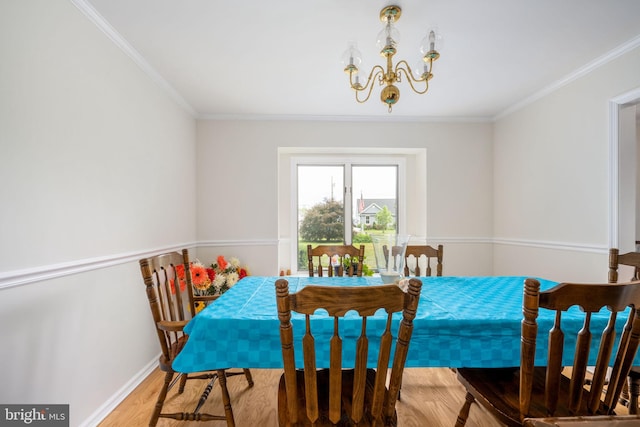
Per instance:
x=242, y=273
x=183, y=286
x=199, y=277
x=222, y=263
x=180, y=271
x=211, y=273
x=181, y=276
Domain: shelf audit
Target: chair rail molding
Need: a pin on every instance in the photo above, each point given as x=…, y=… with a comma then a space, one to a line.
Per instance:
x=564, y=246
x=9, y=279
x=220, y=243
x=25, y=276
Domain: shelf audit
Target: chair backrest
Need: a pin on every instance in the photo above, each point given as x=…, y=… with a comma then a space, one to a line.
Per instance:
x=337, y=301
x=335, y=257
x=631, y=259
x=167, y=278
x=590, y=298
x=413, y=255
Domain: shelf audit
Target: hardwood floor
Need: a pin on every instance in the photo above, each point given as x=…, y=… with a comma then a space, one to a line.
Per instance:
x=430, y=397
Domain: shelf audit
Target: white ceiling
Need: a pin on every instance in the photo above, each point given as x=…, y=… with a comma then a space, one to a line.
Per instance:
x=283, y=57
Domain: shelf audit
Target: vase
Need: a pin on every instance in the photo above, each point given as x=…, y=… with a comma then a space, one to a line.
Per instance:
x=389, y=250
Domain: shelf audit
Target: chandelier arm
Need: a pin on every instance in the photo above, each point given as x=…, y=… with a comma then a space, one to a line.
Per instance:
x=368, y=87
x=407, y=72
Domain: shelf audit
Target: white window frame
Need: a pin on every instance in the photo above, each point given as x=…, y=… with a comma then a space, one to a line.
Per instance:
x=347, y=161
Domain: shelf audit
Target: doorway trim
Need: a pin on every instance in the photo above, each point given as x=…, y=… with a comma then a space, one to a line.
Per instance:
x=630, y=97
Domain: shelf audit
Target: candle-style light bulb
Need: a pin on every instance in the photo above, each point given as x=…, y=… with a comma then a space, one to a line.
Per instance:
x=432, y=42
x=351, y=58
x=388, y=36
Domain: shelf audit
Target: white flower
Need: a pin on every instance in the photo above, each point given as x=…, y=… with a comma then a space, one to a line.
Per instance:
x=219, y=280
x=232, y=279
x=235, y=263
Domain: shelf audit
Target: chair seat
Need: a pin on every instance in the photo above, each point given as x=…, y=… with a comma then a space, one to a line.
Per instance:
x=323, y=402
x=499, y=388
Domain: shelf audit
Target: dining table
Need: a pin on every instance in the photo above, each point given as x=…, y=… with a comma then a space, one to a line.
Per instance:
x=461, y=321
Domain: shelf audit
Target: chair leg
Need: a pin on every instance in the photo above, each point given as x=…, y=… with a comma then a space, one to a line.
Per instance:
x=226, y=400
x=247, y=374
x=183, y=383
x=464, y=412
x=161, y=397
x=634, y=392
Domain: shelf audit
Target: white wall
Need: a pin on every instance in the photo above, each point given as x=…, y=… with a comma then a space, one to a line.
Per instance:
x=552, y=178
x=239, y=181
x=91, y=149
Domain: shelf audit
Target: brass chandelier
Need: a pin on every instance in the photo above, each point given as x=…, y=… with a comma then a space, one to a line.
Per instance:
x=388, y=39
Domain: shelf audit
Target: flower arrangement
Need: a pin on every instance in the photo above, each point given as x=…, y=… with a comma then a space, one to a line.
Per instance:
x=214, y=280
x=222, y=276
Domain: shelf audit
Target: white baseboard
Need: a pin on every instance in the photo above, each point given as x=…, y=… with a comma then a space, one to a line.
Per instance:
x=108, y=406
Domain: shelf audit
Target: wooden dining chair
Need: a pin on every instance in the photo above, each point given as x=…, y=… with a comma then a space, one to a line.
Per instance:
x=327, y=253
x=338, y=395
x=533, y=391
x=413, y=255
x=167, y=278
x=630, y=259
x=429, y=252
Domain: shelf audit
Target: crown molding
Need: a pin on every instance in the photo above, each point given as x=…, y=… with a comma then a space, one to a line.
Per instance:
x=314, y=118
x=90, y=12
x=95, y=17
x=580, y=72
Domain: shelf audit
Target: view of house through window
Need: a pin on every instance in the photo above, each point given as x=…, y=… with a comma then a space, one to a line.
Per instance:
x=345, y=204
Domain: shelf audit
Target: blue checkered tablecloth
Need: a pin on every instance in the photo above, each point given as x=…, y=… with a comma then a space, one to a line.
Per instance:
x=460, y=322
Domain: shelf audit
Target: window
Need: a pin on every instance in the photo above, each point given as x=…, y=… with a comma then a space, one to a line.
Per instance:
x=340, y=201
